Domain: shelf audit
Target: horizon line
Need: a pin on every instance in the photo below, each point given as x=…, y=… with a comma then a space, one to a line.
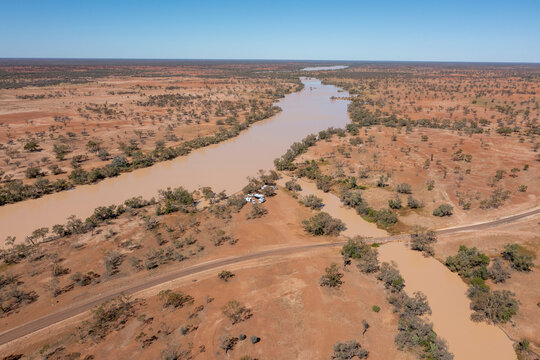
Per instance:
x=274, y=60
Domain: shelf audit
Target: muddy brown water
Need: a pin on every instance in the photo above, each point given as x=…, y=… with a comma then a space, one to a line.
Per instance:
x=445, y=291
x=223, y=166
x=450, y=306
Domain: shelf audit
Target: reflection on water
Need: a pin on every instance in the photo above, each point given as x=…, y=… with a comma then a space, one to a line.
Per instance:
x=222, y=166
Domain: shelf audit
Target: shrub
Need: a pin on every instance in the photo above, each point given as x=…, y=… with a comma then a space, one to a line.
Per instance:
x=391, y=277
x=113, y=259
x=349, y=350
x=323, y=224
x=174, y=299
x=443, y=210
x=395, y=203
x=376, y=308
x=422, y=240
x=312, y=201
x=257, y=211
x=414, y=203
x=324, y=182
x=107, y=317
x=254, y=339
x=292, y=185
x=404, y=188
x=332, y=277
x=225, y=275
x=228, y=342
x=236, y=312
x=352, y=198
x=33, y=172
x=84, y=279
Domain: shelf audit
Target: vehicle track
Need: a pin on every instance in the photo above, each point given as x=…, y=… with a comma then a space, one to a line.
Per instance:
x=147, y=283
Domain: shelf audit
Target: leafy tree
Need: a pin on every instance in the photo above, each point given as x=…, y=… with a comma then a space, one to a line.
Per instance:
x=518, y=259
x=498, y=272
x=422, y=240
x=364, y=255
x=323, y=224
x=391, y=277
x=469, y=263
x=32, y=145
x=493, y=306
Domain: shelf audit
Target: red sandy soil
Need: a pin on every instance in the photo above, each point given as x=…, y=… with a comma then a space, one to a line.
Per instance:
x=293, y=315
x=216, y=94
x=404, y=161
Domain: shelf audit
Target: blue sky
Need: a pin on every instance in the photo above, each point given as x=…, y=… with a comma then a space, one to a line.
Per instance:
x=435, y=30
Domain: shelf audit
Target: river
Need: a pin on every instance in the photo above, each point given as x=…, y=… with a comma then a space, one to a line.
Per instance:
x=223, y=166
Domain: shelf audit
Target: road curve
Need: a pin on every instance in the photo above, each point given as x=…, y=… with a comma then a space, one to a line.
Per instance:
x=147, y=283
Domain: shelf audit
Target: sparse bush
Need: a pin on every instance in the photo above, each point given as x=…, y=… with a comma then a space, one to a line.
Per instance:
x=228, y=342
x=497, y=272
x=312, y=201
x=324, y=182
x=175, y=299
x=395, y=203
x=225, y=275
x=292, y=185
x=352, y=198
x=332, y=277
x=107, y=317
x=236, y=312
x=414, y=203
x=33, y=172
x=349, y=350
x=113, y=259
x=257, y=211
x=81, y=279
x=404, y=188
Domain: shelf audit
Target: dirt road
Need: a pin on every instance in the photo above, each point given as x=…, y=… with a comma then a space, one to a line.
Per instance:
x=87, y=304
